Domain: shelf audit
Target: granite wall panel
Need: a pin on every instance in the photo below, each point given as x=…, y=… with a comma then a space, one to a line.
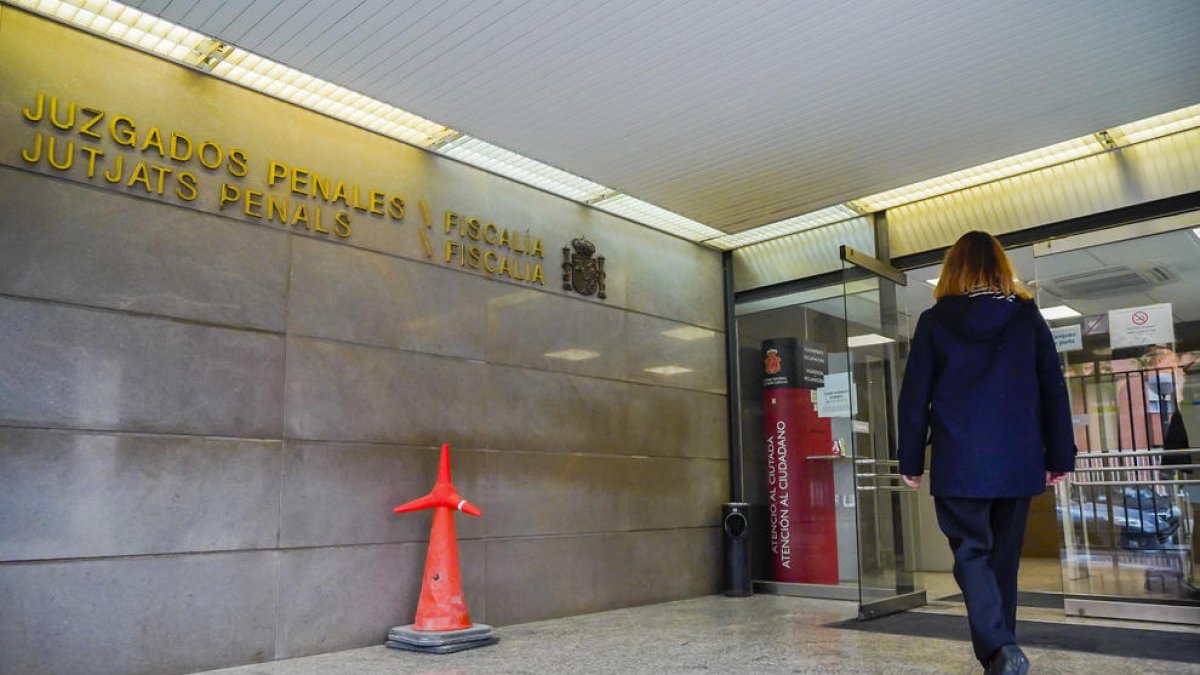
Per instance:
x=348, y=294
x=134, y=616
x=93, y=369
x=66, y=494
x=542, y=578
x=337, y=391
x=78, y=244
x=336, y=494
x=664, y=422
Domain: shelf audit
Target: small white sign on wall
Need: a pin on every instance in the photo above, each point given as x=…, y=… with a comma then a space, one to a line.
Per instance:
x=1137, y=326
x=1068, y=338
x=836, y=398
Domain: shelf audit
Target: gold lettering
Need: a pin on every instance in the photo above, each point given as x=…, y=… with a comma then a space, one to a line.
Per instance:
x=70, y=155
x=238, y=165
x=37, y=148
x=451, y=247
x=537, y=248
x=357, y=204
x=202, y=155
x=396, y=208
x=377, y=198
x=123, y=131
x=186, y=189
x=487, y=257
x=154, y=138
x=506, y=238
x=451, y=221
x=118, y=170
x=162, y=172
x=277, y=205
x=41, y=109
x=300, y=182
x=505, y=267
x=320, y=186
x=276, y=171
x=474, y=256
x=176, y=154
x=140, y=175
x=86, y=129
x=92, y=153
x=253, y=204
x=317, y=220
x=229, y=194
x=473, y=228
x=341, y=224
x=339, y=193
x=54, y=114
x=300, y=215
x=537, y=275
x=490, y=229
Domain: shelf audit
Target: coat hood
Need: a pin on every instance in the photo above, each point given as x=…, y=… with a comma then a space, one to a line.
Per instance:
x=979, y=317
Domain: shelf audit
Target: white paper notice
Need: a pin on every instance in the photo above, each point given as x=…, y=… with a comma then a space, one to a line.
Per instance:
x=1136, y=326
x=1068, y=338
x=835, y=398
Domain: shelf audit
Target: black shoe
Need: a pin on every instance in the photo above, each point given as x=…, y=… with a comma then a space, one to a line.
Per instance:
x=1009, y=660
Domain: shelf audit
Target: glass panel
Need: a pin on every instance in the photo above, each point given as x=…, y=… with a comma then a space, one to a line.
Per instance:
x=871, y=366
x=801, y=490
x=1130, y=352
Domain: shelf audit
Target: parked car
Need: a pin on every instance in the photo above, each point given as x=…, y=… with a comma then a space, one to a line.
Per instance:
x=1141, y=519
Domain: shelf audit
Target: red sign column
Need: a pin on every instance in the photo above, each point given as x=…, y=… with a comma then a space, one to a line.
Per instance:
x=800, y=491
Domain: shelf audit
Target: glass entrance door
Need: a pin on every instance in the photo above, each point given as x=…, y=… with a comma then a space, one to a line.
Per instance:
x=1126, y=316
x=860, y=393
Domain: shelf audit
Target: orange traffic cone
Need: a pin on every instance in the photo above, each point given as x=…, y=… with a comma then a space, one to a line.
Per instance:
x=442, y=623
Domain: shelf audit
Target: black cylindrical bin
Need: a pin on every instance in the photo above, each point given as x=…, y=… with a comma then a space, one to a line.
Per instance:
x=736, y=519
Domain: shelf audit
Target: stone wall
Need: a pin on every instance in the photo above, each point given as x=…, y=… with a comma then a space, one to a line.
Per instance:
x=207, y=414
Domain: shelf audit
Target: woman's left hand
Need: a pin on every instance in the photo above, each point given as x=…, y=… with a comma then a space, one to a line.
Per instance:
x=913, y=482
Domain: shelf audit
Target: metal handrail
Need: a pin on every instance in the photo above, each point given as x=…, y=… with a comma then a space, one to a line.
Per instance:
x=1135, y=453
x=1182, y=481
x=1136, y=467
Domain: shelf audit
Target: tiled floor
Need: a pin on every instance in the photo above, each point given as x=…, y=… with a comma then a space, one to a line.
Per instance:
x=763, y=634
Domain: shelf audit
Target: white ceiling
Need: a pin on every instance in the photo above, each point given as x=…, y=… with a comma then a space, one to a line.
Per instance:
x=737, y=114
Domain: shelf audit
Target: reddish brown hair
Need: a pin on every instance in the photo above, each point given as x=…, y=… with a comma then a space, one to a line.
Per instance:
x=977, y=260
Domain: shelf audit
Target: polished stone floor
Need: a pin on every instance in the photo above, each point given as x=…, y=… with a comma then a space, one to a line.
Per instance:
x=763, y=634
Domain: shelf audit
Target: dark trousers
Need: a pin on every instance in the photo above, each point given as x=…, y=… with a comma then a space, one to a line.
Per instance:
x=985, y=536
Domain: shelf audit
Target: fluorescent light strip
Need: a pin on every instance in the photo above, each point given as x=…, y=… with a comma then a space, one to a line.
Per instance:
x=807, y=221
x=657, y=217
x=1161, y=125
x=984, y=173
x=521, y=168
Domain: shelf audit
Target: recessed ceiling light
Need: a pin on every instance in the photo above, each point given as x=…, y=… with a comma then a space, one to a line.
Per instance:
x=572, y=355
x=1058, y=312
x=868, y=340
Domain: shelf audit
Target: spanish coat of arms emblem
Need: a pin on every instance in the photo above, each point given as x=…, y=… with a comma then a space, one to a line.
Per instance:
x=773, y=361
x=581, y=272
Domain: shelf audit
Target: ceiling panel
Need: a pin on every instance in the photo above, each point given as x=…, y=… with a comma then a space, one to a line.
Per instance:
x=737, y=114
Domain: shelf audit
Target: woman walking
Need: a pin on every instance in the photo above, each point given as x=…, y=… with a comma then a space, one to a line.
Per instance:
x=983, y=386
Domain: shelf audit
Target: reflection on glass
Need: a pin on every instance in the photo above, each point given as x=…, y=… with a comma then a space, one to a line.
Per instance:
x=1128, y=515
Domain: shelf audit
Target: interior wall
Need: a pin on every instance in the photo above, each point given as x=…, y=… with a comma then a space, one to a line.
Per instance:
x=208, y=410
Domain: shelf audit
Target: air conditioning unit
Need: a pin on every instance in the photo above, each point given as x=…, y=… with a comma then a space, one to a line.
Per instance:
x=1110, y=281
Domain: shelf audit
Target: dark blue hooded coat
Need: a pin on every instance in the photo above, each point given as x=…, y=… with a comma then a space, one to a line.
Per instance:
x=984, y=387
